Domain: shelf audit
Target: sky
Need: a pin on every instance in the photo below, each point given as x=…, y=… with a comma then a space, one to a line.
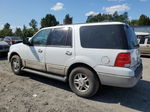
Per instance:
x=20, y=12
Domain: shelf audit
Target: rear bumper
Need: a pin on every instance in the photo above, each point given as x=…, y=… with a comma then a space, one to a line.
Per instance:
x=117, y=80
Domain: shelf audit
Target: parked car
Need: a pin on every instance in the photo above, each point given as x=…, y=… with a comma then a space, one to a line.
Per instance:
x=1, y=39
x=141, y=34
x=4, y=47
x=86, y=55
x=144, y=41
x=12, y=40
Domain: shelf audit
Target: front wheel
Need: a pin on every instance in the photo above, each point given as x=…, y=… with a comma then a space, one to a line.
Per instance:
x=83, y=82
x=16, y=64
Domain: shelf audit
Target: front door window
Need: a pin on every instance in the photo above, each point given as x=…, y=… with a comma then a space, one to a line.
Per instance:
x=41, y=37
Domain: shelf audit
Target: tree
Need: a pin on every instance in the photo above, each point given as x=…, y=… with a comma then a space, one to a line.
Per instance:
x=48, y=21
x=121, y=18
x=124, y=17
x=91, y=19
x=115, y=16
x=108, y=17
x=18, y=32
x=133, y=22
x=33, y=24
x=68, y=19
x=7, y=26
x=99, y=18
x=27, y=32
x=143, y=20
x=6, y=31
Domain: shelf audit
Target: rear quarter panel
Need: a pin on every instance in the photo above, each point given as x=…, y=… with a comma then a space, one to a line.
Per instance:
x=93, y=57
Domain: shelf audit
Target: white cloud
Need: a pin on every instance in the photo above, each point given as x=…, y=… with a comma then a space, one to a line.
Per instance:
x=118, y=8
x=58, y=6
x=91, y=13
x=1, y=27
x=14, y=27
x=130, y=17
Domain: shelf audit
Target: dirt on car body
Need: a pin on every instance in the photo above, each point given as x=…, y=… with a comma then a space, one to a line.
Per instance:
x=31, y=93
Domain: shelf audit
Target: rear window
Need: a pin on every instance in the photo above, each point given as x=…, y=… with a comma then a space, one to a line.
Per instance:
x=142, y=40
x=131, y=37
x=148, y=41
x=103, y=36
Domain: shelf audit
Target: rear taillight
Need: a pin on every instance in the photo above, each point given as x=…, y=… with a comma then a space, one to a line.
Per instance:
x=123, y=60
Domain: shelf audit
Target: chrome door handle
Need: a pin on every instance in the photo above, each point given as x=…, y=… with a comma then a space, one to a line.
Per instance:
x=40, y=51
x=69, y=53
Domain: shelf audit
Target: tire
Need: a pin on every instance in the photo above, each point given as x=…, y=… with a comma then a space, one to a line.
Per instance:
x=16, y=65
x=84, y=82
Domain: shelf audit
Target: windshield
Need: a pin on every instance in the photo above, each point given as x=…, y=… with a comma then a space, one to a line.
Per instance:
x=131, y=37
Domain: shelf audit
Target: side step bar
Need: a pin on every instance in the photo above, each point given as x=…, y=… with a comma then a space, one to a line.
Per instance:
x=49, y=75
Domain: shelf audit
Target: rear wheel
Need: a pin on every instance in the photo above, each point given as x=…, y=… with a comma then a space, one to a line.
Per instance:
x=83, y=82
x=16, y=64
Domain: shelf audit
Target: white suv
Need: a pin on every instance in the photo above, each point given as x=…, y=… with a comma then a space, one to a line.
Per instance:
x=85, y=55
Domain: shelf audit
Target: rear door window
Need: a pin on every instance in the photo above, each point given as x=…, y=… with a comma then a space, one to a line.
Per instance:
x=60, y=37
x=103, y=36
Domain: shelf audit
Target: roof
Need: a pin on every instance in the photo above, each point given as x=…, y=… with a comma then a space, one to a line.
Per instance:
x=87, y=24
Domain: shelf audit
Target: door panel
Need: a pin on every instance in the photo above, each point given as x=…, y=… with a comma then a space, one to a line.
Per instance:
x=59, y=50
x=147, y=46
x=57, y=59
x=142, y=48
x=59, y=69
x=35, y=58
x=35, y=65
x=143, y=45
x=36, y=53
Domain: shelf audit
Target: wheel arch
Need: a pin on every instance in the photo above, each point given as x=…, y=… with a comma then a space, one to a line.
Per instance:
x=79, y=64
x=12, y=54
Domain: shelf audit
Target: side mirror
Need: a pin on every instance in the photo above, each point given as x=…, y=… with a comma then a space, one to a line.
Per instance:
x=27, y=41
